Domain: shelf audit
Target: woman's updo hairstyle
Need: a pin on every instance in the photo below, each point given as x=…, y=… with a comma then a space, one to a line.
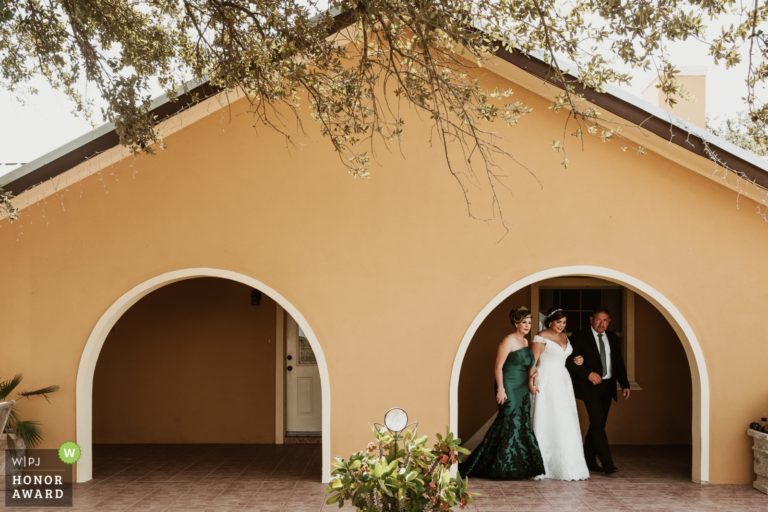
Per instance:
x=518, y=314
x=553, y=315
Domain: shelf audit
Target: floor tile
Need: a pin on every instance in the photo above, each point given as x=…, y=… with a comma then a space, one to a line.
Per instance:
x=268, y=478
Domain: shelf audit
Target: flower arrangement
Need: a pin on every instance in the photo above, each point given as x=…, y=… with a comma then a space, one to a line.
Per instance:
x=408, y=477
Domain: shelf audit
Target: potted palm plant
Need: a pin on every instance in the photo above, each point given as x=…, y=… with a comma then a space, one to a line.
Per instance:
x=19, y=433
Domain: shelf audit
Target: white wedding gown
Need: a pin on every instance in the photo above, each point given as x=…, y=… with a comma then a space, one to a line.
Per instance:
x=555, y=418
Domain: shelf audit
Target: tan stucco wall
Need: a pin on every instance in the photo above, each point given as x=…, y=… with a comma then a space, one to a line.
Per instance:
x=192, y=362
x=391, y=271
x=660, y=413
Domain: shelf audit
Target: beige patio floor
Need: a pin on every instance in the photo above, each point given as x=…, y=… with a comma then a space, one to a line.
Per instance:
x=286, y=478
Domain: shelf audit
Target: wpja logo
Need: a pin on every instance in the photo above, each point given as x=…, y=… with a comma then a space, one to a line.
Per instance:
x=40, y=478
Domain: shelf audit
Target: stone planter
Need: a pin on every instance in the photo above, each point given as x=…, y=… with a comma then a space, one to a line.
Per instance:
x=760, y=452
x=9, y=442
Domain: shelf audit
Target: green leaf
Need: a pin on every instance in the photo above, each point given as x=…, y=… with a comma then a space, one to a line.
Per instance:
x=29, y=432
x=7, y=386
x=44, y=392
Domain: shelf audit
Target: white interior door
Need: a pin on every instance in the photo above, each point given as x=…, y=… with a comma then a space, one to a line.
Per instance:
x=303, y=412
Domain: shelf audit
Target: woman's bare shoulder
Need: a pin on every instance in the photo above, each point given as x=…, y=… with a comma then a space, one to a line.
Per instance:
x=511, y=342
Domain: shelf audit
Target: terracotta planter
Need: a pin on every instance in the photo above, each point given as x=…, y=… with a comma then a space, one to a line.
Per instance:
x=760, y=452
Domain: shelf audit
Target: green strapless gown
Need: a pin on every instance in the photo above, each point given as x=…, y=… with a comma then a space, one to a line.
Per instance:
x=509, y=450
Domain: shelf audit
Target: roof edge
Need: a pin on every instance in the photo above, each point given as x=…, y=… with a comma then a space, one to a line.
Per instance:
x=614, y=100
x=95, y=142
x=105, y=136
x=653, y=119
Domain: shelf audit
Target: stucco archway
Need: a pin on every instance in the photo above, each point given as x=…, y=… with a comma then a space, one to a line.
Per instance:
x=90, y=356
x=693, y=351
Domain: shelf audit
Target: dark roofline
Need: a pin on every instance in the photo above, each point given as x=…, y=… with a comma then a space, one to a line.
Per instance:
x=108, y=140
x=536, y=67
x=104, y=142
x=646, y=120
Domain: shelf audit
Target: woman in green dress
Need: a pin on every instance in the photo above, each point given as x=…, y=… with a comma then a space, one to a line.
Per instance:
x=509, y=450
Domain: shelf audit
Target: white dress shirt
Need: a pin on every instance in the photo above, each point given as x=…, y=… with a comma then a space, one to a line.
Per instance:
x=608, y=370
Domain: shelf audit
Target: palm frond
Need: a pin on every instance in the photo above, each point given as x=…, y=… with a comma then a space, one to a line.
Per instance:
x=29, y=431
x=7, y=386
x=44, y=392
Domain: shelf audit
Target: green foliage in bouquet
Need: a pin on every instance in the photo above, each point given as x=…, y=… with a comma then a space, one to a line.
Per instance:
x=402, y=477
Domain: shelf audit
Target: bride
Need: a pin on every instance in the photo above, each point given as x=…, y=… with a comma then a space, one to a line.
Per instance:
x=555, y=419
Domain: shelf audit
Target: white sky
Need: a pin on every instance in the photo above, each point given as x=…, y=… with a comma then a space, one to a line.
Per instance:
x=45, y=121
x=30, y=130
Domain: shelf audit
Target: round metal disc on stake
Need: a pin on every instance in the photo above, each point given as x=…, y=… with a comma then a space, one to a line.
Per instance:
x=396, y=419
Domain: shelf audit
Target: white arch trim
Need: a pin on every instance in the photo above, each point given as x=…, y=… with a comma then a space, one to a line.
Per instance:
x=90, y=355
x=700, y=384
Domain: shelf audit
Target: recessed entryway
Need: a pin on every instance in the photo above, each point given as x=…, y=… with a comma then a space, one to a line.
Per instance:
x=189, y=358
x=670, y=404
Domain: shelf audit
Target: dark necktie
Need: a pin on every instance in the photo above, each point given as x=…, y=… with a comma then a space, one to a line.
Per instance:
x=602, y=352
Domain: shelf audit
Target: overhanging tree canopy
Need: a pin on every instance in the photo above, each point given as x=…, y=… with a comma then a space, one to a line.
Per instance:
x=340, y=56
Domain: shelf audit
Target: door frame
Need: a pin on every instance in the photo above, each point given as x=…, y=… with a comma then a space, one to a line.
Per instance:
x=280, y=397
x=281, y=386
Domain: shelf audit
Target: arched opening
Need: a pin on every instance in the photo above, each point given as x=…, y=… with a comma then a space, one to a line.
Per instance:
x=655, y=324
x=193, y=357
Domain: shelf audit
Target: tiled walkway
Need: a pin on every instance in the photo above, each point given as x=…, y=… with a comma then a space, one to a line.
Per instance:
x=650, y=479
x=286, y=478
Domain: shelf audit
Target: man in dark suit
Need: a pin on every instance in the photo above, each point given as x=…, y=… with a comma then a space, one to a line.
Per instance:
x=594, y=382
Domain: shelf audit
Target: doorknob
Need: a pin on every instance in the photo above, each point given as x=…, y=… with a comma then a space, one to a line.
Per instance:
x=289, y=368
x=289, y=357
